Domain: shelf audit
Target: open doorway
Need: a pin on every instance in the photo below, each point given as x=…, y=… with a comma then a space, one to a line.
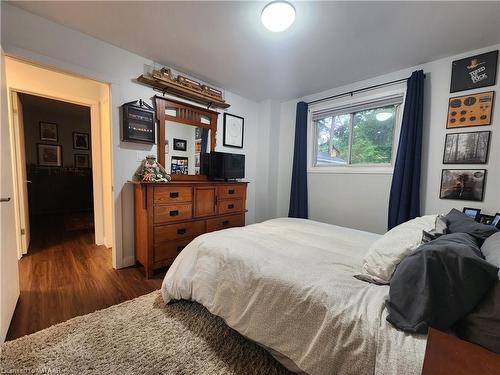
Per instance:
x=58, y=160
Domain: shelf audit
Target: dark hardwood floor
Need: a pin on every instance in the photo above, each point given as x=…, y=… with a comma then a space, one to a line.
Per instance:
x=65, y=275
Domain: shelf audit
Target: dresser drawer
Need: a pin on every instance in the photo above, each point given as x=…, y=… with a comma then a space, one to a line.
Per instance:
x=177, y=231
x=172, y=212
x=169, y=250
x=231, y=191
x=172, y=194
x=225, y=222
x=229, y=206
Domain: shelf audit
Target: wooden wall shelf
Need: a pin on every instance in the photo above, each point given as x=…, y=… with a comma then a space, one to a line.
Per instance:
x=176, y=89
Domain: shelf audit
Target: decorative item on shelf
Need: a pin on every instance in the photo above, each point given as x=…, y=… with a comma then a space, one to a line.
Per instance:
x=163, y=74
x=210, y=91
x=151, y=171
x=474, y=72
x=466, y=148
x=233, y=130
x=188, y=82
x=470, y=110
x=463, y=184
x=138, y=122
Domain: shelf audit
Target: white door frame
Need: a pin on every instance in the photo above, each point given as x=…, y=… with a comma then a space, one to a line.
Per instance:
x=101, y=157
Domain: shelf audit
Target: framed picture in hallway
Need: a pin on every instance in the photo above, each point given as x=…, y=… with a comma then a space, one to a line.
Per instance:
x=49, y=155
x=48, y=132
x=463, y=184
x=82, y=161
x=80, y=141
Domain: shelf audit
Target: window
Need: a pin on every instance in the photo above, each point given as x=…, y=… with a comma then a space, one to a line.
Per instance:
x=357, y=135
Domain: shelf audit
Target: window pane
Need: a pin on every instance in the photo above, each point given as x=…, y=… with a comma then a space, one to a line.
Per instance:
x=373, y=133
x=333, y=140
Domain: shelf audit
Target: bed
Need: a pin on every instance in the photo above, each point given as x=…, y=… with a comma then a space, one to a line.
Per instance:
x=288, y=285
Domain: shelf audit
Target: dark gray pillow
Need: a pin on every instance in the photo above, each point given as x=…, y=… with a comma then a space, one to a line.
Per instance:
x=482, y=326
x=491, y=250
x=440, y=283
x=458, y=222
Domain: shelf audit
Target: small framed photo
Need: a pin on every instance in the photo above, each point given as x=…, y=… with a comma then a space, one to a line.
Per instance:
x=80, y=141
x=233, y=130
x=473, y=213
x=474, y=72
x=485, y=219
x=179, y=165
x=48, y=132
x=49, y=155
x=463, y=184
x=82, y=161
x=496, y=220
x=466, y=148
x=180, y=144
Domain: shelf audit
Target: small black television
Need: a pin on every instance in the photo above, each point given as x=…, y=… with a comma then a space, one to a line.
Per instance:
x=223, y=166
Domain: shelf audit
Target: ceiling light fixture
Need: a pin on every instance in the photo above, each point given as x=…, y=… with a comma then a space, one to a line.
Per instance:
x=382, y=116
x=278, y=16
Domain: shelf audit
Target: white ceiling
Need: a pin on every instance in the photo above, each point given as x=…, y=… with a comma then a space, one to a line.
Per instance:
x=330, y=44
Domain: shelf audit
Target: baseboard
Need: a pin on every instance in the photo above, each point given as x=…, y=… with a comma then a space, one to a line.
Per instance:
x=127, y=262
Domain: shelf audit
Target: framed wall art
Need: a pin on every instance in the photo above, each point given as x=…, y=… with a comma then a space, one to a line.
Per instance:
x=180, y=144
x=474, y=72
x=81, y=141
x=49, y=155
x=82, y=161
x=470, y=110
x=233, y=130
x=138, y=122
x=179, y=165
x=463, y=184
x=466, y=148
x=48, y=132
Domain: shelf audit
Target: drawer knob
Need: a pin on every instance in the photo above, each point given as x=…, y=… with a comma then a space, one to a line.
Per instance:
x=174, y=194
x=181, y=231
x=225, y=222
x=174, y=213
x=230, y=206
x=230, y=191
x=179, y=248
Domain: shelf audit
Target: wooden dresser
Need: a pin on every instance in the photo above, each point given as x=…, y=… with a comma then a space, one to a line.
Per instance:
x=169, y=215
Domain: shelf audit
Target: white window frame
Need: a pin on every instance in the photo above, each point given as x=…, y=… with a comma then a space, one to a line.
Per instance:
x=337, y=104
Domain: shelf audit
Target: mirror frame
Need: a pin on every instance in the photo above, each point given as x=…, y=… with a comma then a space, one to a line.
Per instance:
x=189, y=115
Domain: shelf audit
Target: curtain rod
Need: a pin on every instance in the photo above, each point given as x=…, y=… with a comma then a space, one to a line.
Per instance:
x=352, y=92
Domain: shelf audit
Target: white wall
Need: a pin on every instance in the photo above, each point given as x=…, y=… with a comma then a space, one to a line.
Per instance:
x=37, y=39
x=361, y=200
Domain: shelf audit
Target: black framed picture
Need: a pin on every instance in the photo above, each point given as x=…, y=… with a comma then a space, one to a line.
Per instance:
x=485, y=219
x=138, y=122
x=48, y=132
x=81, y=141
x=467, y=148
x=474, y=72
x=233, y=130
x=49, y=155
x=179, y=165
x=463, y=184
x=470, y=110
x=180, y=144
x=496, y=220
x=82, y=161
x=472, y=212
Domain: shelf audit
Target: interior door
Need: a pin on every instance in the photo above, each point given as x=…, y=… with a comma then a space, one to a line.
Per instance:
x=9, y=277
x=20, y=173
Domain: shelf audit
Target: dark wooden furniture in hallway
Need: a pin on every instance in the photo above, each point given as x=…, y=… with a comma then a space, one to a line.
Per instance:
x=66, y=275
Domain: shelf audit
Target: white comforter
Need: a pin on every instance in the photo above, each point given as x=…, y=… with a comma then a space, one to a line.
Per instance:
x=288, y=285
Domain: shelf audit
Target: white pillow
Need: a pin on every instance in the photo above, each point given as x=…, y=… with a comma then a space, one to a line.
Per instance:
x=388, y=251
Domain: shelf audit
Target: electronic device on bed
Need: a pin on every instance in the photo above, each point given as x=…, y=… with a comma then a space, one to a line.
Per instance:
x=496, y=221
x=223, y=166
x=470, y=110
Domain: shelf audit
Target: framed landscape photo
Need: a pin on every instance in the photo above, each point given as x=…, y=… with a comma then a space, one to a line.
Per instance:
x=463, y=184
x=82, y=161
x=474, y=72
x=80, y=141
x=180, y=144
x=48, y=132
x=49, y=155
x=233, y=130
x=467, y=148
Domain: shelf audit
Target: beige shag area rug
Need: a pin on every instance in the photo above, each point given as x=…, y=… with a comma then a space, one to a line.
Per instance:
x=140, y=336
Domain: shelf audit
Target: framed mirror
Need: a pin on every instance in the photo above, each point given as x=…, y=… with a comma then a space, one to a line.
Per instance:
x=185, y=132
